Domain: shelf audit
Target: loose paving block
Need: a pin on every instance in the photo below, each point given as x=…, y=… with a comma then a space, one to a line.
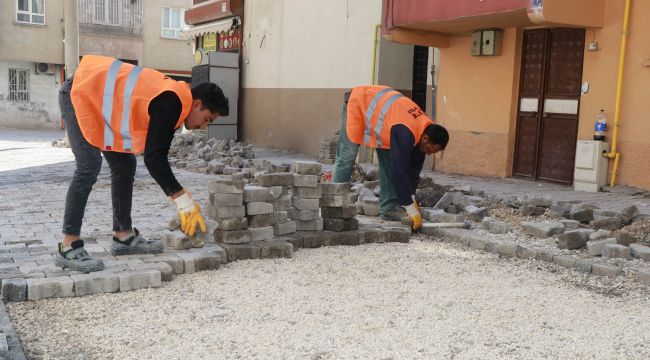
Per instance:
x=430, y=213
x=398, y=235
x=608, y=223
x=275, y=249
x=304, y=215
x=305, y=204
x=247, y=251
x=508, y=249
x=624, y=238
x=605, y=270
x=584, y=265
x=308, y=192
x=476, y=213
x=333, y=201
x=216, y=250
x=282, y=203
x=543, y=229
x=492, y=246
x=558, y=212
x=275, y=179
x=309, y=225
x=526, y=252
x=262, y=233
x=564, y=261
x=176, y=240
x=174, y=261
x=139, y=279
x=545, y=255
x=231, y=224
x=96, y=283
x=284, y=228
x=296, y=242
x=640, y=252
x=226, y=212
x=344, y=212
x=629, y=213
x=570, y=224
x=478, y=242
x=232, y=237
x=581, y=214
x=305, y=180
x=370, y=206
x=226, y=199
x=46, y=288
x=338, y=225
x=374, y=236
x=530, y=210
x=603, y=213
x=262, y=220
x=595, y=247
x=600, y=234
x=200, y=260
x=574, y=239
x=444, y=201
x=306, y=168
x=348, y=238
x=335, y=188
x=259, y=208
x=256, y=194
x=616, y=251
x=312, y=240
x=643, y=276
x=226, y=186
x=541, y=201
x=14, y=289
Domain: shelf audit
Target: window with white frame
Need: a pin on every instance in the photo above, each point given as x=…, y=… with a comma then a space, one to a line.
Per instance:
x=19, y=84
x=173, y=22
x=108, y=12
x=30, y=11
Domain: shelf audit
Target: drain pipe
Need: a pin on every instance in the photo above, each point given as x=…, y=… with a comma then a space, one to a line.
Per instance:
x=614, y=153
x=374, y=53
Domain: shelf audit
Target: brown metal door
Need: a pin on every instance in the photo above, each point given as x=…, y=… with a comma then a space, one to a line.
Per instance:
x=547, y=123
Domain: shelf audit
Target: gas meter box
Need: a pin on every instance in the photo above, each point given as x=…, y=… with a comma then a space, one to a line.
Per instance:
x=591, y=166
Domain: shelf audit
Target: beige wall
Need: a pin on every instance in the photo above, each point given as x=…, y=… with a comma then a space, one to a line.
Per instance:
x=298, y=58
x=36, y=43
x=476, y=102
x=159, y=52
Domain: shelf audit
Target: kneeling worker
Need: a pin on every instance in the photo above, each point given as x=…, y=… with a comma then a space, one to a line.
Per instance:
x=402, y=134
x=115, y=109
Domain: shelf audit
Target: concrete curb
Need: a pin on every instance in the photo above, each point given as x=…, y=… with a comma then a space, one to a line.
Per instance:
x=13, y=351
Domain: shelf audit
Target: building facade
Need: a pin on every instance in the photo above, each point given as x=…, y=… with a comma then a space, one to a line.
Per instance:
x=520, y=112
x=32, y=59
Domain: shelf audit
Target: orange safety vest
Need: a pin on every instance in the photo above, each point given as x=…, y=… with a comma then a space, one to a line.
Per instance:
x=111, y=100
x=374, y=110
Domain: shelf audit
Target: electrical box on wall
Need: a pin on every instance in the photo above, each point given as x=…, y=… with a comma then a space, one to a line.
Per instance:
x=486, y=42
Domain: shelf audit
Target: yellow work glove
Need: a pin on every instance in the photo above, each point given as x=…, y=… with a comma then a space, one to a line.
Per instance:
x=414, y=213
x=189, y=213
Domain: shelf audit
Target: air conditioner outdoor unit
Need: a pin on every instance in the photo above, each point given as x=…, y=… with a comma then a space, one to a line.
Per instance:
x=45, y=68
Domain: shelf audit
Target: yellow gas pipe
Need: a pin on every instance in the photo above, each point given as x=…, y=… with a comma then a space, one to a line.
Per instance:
x=614, y=153
x=374, y=53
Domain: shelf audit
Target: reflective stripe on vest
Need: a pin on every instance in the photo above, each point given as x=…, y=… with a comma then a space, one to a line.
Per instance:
x=380, y=122
x=107, y=105
x=371, y=110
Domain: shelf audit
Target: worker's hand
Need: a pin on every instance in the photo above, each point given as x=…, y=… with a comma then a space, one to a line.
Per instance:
x=189, y=212
x=414, y=213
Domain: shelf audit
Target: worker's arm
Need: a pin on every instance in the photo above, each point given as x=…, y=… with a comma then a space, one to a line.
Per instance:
x=401, y=151
x=417, y=161
x=164, y=111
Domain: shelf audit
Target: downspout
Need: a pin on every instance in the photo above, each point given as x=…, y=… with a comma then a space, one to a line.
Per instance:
x=374, y=53
x=614, y=153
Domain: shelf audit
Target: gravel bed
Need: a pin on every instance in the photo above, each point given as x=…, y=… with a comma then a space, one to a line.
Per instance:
x=423, y=300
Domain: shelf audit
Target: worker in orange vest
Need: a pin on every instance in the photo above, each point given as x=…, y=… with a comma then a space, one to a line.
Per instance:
x=119, y=110
x=382, y=118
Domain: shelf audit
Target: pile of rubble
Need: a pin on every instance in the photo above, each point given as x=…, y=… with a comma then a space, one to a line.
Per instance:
x=196, y=152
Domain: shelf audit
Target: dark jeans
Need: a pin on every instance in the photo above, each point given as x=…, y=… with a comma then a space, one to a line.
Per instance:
x=89, y=162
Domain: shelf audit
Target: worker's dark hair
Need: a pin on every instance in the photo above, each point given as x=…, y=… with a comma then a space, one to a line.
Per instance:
x=438, y=135
x=212, y=97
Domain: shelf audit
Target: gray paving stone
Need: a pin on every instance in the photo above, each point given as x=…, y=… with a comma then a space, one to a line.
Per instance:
x=608, y=223
x=263, y=220
x=624, y=238
x=308, y=192
x=476, y=213
x=398, y=235
x=261, y=234
x=496, y=227
x=139, y=279
x=232, y=237
x=640, y=252
x=492, y=246
x=531, y=210
x=14, y=289
x=96, y=249
x=508, y=249
x=615, y=251
x=96, y=283
x=629, y=213
x=226, y=186
x=444, y=201
x=574, y=239
x=595, y=247
x=374, y=236
x=258, y=208
x=247, y=251
x=584, y=265
x=166, y=271
x=540, y=201
x=305, y=204
x=277, y=191
x=566, y=261
x=256, y=194
x=232, y=224
x=557, y=212
x=344, y=212
x=176, y=240
x=335, y=188
x=370, y=206
x=643, y=276
x=570, y=224
x=333, y=201
x=226, y=212
x=217, y=199
x=215, y=250
x=309, y=225
x=581, y=214
x=543, y=229
x=349, y=238
x=174, y=261
x=306, y=168
x=526, y=252
x=600, y=234
x=4, y=347
x=305, y=180
x=605, y=270
x=478, y=242
x=338, y=225
x=275, y=179
x=285, y=228
x=15, y=248
x=46, y=288
x=275, y=249
x=303, y=215
x=296, y=242
x=431, y=213
x=603, y=213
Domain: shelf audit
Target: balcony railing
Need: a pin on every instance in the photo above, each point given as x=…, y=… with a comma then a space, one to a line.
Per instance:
x=111, y=17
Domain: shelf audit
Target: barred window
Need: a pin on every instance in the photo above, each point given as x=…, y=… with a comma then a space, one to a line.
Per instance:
x=108, y=12
x=30, y=11
x=19, y=84
x=173, y=22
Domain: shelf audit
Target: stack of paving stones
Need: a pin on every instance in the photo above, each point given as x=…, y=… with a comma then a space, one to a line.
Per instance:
x=306, y=195
x=328, y=149
x=338, y=215
x=277, y=185
x=259, y=212
x=195, y=152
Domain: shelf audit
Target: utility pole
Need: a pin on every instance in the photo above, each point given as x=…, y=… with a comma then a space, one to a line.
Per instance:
x=71, y=37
